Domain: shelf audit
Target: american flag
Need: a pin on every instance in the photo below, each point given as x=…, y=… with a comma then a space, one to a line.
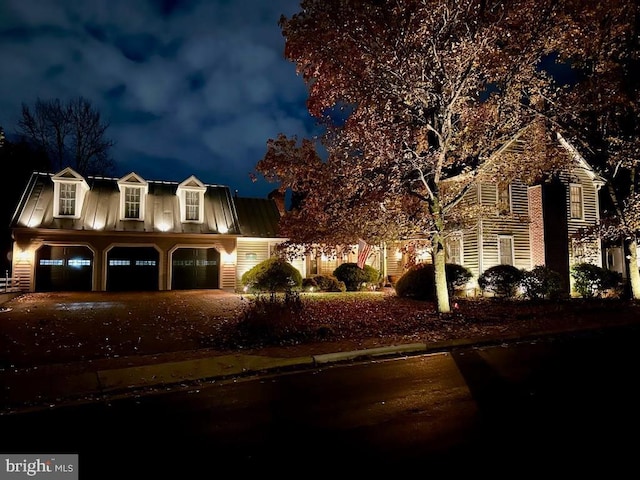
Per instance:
x=364, y=249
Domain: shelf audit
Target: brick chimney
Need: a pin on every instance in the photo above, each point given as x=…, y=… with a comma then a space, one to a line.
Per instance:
x=278, y=197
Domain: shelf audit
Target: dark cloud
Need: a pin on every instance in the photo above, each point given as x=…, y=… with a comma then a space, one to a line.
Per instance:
x=191, y=87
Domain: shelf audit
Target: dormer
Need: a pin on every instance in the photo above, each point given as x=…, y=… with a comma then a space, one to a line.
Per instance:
x=69, y=192
x=133, y=196
x=191, y=199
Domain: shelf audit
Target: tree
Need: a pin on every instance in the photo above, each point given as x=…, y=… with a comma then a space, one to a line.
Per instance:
x=70, y=134
x=21, y=160
x=603, y=113
x=414, y=94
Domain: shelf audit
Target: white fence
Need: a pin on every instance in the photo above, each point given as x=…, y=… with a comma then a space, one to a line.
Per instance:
x=9, y=284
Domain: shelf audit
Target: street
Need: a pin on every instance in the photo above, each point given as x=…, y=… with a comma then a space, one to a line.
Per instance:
x=568, y=402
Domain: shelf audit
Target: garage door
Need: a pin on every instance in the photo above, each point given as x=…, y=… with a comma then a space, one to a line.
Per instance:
x=133, y=268
x=194, y=268
x=63, y=269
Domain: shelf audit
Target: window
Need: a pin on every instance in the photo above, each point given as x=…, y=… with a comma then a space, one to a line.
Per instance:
x=191, y=197
x=67, y=199
x=505, y=249
x=503, y=198
x=132, y=202
x=575, y=200
x=133, y=194
x=69, y=192
x=192, y=205
x=453, y=246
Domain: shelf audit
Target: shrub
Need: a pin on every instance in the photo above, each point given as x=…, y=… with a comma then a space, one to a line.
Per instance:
x=273, y=319
x=594, y=281
x=309, y=284
x=419, y=281
x=272, y=275
x=501, y=280
x=325, y=283
x=356, y=278
x=540, y=283
x=457, y=276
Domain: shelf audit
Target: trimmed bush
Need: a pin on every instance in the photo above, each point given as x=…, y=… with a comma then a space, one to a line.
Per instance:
x=356, y=278
x=540, y=283
x=324, y=283
x=500, y=280
x=594, y=281
x=419, y=281
x=272, y=275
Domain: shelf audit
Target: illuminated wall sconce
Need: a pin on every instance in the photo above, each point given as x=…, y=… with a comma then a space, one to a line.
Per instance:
x=228, y=258
x=24, y=256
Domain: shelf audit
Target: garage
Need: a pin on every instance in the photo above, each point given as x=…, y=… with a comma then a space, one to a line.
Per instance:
x=68, y=268
x=133, y=269
x=195, y=268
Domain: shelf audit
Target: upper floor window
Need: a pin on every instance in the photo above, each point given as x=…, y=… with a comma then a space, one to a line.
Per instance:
x=192, y=205
x=67, y=199
x=69, y=190
x=504, y=198
x=132, y=202
x=191, y=197
x=133, y=194
x=575, y=201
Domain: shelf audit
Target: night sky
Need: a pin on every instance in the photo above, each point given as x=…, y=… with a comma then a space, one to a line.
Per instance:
x=187, y=87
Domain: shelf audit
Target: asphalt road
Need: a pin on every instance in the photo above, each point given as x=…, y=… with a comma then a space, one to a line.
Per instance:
x=567, y=404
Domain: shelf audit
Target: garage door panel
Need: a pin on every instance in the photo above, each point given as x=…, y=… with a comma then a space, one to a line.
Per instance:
x=133, y=269
x=64, y=268
x=195, y=268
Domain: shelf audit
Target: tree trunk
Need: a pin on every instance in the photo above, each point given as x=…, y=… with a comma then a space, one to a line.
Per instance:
x=442, y=292
x=634, y=273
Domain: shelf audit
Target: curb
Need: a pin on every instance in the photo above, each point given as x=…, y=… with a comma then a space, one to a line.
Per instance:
x=38, y=389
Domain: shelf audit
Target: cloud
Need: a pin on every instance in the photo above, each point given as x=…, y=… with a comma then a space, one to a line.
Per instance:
x=189, y=87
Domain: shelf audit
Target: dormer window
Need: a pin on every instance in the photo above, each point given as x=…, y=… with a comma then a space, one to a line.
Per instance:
x=69, y=190
x=192, y=205
x=191, y=197
x=133, y=194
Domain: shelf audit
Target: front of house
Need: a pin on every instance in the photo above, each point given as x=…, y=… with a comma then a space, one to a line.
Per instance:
x=115, y=234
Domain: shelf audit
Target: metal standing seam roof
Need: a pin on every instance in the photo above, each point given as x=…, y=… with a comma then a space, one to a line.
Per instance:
x=258, y=217
x=101, y=206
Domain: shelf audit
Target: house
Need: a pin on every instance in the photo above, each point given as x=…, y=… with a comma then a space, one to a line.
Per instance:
x=532, y=225
x=117, y=234
x=129, y=233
